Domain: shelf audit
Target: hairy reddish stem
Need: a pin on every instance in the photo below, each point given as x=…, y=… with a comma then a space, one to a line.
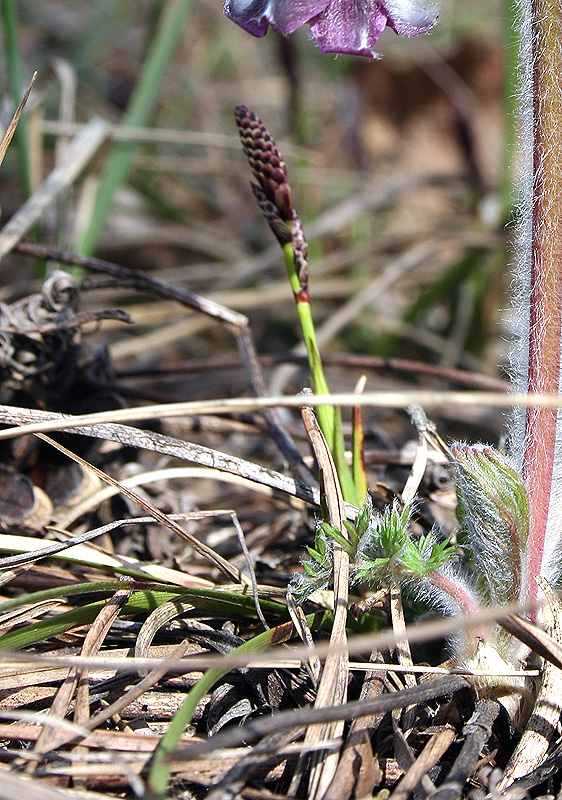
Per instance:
x=546, y=275
x=466, y=603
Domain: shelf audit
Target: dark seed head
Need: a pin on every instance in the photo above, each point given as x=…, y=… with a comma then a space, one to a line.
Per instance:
x=265, y=160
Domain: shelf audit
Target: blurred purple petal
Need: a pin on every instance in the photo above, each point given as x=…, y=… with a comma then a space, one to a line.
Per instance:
x=409, y=17
x=284, y=16
x=339, y=26
x=349, y=26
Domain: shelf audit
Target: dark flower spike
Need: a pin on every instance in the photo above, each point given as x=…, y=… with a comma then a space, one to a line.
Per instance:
x=339, y=26
x=280, y=228
x=265, y=160
x=299, y=247
x=272, y=190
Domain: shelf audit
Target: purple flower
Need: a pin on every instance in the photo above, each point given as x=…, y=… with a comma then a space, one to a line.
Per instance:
x=339, y=26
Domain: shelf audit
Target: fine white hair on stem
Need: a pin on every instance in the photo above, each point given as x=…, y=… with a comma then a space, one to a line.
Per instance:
x=519, y=317
x=536, y=453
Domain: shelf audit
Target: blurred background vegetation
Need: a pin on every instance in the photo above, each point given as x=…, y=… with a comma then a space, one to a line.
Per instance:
x=399, y=167
x=401, y=171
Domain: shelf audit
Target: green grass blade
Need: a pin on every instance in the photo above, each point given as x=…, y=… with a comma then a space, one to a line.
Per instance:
x=358, y=452
x=59, y=591
x=227, y=604
x=16, y=83
x=348, y=488
x=138, y=114
x=159, y=775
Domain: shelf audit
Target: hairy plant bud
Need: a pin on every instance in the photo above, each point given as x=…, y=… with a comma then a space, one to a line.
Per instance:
x=494, y=509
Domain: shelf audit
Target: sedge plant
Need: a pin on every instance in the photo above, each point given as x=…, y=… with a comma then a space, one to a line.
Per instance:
x=509, y=504
x=272, y=190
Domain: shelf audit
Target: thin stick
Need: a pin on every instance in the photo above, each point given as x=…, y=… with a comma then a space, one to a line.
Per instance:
x=15, y=119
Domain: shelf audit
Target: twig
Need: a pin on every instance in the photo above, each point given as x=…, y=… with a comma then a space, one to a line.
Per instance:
x=477, y=731
x=257, y=729
x=462, y=377
x=429, y=756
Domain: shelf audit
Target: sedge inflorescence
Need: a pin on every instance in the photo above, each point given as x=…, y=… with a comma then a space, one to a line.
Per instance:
x=271, y=186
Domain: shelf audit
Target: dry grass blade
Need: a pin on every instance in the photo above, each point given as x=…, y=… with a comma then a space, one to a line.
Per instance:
x=332, y=689
x=15, y=119
x=358, y=771
x=201, y=548
x=18, y=616
x=14, y=785
x=76, y=157
x=67, y=517
x=50, y=739
x=429, y=756
x=164, y=666
x=298, y=618
x=420, y=460
x=386, y=399
x=152, y=624
x=167, y=445
x=59, y=547
x=119, y=741
x=403, y=650
x=92, y=644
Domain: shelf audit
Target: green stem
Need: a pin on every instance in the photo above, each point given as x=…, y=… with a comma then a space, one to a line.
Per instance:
x=329, y=418
x=138, y=114
x=325, y=413
x=15, y=81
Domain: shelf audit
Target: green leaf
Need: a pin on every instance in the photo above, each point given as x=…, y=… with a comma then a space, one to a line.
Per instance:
x=364, y=518
x=319, y=557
